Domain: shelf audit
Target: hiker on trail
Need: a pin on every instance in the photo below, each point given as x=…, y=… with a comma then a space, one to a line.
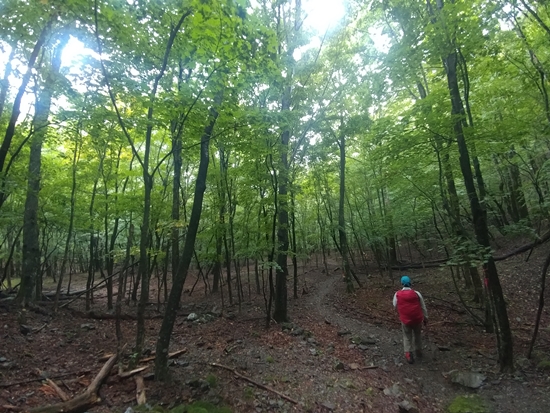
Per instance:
x=412, y=312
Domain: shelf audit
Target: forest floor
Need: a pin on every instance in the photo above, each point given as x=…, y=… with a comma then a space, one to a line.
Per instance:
x=341, y=352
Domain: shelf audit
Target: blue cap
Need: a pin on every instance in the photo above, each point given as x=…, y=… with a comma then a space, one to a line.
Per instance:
x=406, y=281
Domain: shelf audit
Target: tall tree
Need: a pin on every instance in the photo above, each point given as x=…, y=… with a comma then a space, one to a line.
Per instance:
x=31, y=248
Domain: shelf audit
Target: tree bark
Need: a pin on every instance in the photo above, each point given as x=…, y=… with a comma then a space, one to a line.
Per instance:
x=31, y=247
x=16, y=109
x=344, y=249
x=165, y=333
x=503, y=331
x=143, y=269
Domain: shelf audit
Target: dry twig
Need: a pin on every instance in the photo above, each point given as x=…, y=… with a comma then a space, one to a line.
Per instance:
x=255, y=383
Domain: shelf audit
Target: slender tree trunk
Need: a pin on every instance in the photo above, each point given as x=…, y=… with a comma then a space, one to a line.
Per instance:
x=344, y=250
x=93, y=241
x=144, y=271
x=176, y=153
x=165, y=333
x=76, y=155
x=293, y=244
x=16, y=109
x=281, y=274
x=541, y=305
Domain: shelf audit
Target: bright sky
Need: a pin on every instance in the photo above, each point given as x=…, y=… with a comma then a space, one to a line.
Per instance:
x=323, y=14
x=319, y=15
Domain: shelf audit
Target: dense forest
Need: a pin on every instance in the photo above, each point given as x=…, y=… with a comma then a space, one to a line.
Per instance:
x=145, y=138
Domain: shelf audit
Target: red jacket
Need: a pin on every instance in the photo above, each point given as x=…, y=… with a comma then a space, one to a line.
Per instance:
x=409, y=307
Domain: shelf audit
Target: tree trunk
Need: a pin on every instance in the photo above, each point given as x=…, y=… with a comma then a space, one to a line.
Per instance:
x=16, y=109
x=281, y=274
x=344, y=250
x=31, y=248
x=503, y=331
x=165, y=333
x=76, y=155
x=143, y=270
x=175, y=238
x=293, y=244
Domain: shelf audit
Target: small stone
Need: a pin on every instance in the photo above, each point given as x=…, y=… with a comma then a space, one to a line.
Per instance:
x=343, y=332
x=468, y=379
x=393, y=390
x=407, y=407
x=297, y=332
x=367, y=341
x=339, y=366
x=87, y=326
x=329, y=406
x=286, y=326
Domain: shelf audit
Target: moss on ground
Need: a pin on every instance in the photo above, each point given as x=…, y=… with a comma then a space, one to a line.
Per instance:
x=468, y=404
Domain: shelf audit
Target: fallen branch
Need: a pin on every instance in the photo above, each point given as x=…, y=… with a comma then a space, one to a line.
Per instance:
x=40, y=328
x=10, y=407
x=255, y=383
x=170, y=355
x=58, y=390
x=15, y=383
x=108, y=316
x=140, y=391
x=84, y=400
x=95, y=287
x=126, y=374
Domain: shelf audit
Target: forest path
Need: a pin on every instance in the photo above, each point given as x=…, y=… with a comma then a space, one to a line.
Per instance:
x=426, y=382
x=424, y=377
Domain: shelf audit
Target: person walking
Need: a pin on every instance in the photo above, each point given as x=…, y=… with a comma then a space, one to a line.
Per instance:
x=412, y=313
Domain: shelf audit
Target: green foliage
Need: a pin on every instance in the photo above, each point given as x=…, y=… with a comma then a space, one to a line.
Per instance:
x=544, y=365
x=212, y=380
x=249, y=393
x=468, y=404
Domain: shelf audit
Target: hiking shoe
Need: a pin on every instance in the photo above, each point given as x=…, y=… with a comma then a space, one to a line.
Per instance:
x=409, y=356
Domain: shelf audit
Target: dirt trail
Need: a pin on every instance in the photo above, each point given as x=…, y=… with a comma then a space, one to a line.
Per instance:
x=425, y=382
x=422, y=378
